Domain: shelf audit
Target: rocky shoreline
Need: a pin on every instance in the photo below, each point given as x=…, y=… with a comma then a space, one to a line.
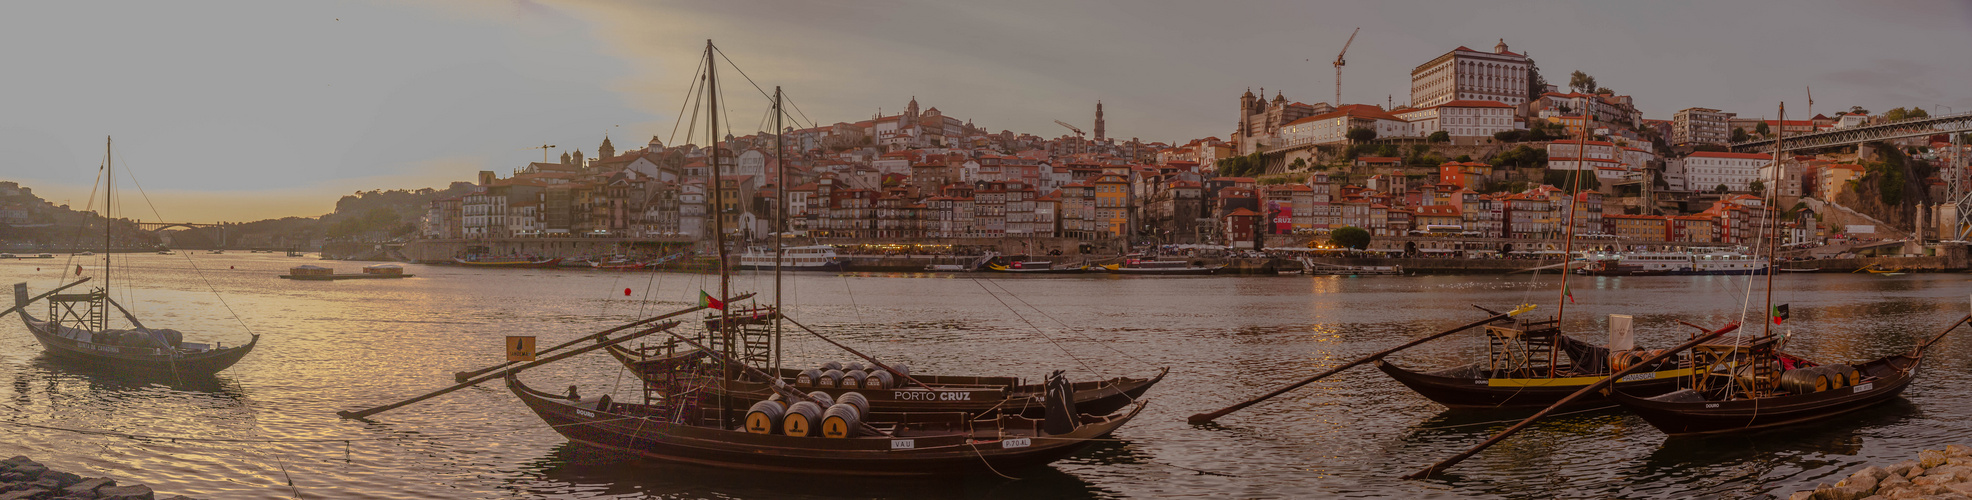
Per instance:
x=1941, y=474
x=24, y=479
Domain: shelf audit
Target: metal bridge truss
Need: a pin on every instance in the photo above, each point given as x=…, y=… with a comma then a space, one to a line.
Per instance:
x=1958, y=189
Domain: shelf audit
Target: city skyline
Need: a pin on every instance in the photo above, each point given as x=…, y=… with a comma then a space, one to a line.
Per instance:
x=274, y=111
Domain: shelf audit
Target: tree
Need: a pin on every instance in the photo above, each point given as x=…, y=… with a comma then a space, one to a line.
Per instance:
x=1917, y=113
x=1350, y=237
x=1722, y=189
x=1756, y=186
x=1763, y=129
x=1440, y=136
x=1739, y=135
x=1463, y=158
x=1581, y=82
x=1895, y=114
x=1386, y=150
x=1509, y=135
x=1298, y=164
x=1361, y=135
x=1604, y=90
x=1858, y=110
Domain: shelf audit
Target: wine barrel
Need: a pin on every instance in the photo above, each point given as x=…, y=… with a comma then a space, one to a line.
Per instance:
x=830, y=378
x=831, y=365
x=902, y=368
x=1843, y=375
x=764, y=417
x=822, y=399
x=854, y=365
x=841, y=421
x=853, y=379
x=856, y=399
x=879, y=380
x=807, y=378
x=1805, y=380
x=801, y=419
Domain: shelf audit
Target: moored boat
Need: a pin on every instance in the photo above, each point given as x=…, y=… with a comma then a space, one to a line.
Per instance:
x=801, y=258
x=509, y=262
x=1695, y=262
x=1035, y=267
x=373, y=272
x=1744, y=384
x=1162, y=267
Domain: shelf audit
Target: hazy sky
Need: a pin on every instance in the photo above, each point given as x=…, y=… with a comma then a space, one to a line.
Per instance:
x=251, y=109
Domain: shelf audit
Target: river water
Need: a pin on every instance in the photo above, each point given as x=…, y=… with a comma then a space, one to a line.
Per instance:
x=341, y=345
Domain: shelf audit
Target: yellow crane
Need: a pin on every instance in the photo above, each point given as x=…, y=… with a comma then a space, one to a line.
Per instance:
x=1339, y=63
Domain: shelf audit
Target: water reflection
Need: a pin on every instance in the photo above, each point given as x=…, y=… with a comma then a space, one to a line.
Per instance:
x=581, y=471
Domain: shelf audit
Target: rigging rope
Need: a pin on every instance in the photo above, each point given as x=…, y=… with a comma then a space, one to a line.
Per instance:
x=1037, y=330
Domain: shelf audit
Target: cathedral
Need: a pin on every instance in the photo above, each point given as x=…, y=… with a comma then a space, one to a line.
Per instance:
x=1260, y=120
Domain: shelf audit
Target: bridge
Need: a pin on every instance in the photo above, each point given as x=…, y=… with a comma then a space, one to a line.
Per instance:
x=1914, y=127
x=160, y=226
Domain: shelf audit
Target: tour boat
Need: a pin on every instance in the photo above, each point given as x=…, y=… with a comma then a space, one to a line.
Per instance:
x=1035, y=267
x=1699, y=262
x=317, y=273
x=802, y=258
x=509, y=262
x=78, y=327
x=1161, y=267
x=1746, y=384
x=1517, y=373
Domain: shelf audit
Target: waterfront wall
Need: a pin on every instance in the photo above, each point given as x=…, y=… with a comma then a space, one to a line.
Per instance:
x=1443, y=265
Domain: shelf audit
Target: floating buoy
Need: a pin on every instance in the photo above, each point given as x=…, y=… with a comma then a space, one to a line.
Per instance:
x=626, y=292
x=841, y=421
x=764, y=417
x=800, y=419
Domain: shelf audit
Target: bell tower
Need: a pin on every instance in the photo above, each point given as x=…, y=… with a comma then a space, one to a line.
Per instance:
x=1099, y=121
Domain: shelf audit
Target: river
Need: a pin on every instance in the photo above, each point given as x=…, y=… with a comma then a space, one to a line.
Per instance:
x=342, y=345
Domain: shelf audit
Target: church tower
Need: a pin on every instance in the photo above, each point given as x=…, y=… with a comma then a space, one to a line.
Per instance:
x=564, y=158
x=577, y=158
x=910, y=113
x=1501, y=48
x=1098, y=121
x=606, y=151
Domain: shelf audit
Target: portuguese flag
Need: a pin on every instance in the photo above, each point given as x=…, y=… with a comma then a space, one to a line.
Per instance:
x=1779, y=313
x=705, y=300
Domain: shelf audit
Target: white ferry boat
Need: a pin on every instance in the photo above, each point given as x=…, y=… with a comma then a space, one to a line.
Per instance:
x=1693, y=262
x=802, y=258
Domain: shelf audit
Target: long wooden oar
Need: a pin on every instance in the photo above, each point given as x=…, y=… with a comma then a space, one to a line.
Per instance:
x=502, y=373
x=1941, y=335
x=463, y=376
x=866, y=357
x=1208, y=417
x=23, y=304
x=1591, y=389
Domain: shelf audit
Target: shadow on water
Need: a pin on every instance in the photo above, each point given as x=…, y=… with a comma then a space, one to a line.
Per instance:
x=99, y=378
x=595, y=472
x=1746, y=464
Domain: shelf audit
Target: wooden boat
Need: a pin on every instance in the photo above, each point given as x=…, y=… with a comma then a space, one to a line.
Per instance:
x=946, y=392
x=317, y=273
x=1035, y=267
x=801, y=258
x=507, y=262
x=916, y=444
x=1524, y=380
x=1162, y=268
x=78, y=329
x=619, y=265
x=1718, y=401
x=1802, y=269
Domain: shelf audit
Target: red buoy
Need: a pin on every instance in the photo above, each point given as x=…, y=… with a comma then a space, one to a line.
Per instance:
x=626, y=292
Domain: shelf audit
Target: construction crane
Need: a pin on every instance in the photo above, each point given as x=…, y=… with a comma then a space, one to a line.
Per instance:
x=1078, y=132
x=1339, y=63
x=544, y=151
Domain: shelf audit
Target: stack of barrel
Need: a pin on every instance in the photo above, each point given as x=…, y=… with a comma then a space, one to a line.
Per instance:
x=820, y=415
x=834, y=375
x=1813, y=379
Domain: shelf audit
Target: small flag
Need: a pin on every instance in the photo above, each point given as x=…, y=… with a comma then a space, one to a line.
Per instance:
x=705, y=300
x=1779, y=313
x=1570, y=293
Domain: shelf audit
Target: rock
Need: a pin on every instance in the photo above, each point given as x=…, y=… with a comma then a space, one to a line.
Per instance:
x=1960, y=488
x=17, y=461
x=64, y=479
x=1861, y=481
x=1892, y=481
x=1901, y=468
x=1903, y=493
x=27, y=494
x=1927, y=480
x=31, y=471
x=89, y=485
x=46, y=483
x=1958, y=451
x=133, y=492
x=1914, y=472
x=1930, y=458
x=1802, y=495
x=1874, y=473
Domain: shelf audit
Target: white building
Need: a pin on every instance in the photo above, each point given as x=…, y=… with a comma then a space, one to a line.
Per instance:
x=1700, y=126
x=1706, y=170
x=1333, y=127
x=1580, y=155
x=1466, y=118
x=1465, y=74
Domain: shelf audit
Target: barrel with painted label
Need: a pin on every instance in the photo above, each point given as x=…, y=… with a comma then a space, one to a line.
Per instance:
x=831, y=365
x=879, y=380
x=765, y=417
x=801, y=419
x=841, y=421
x=853, y=379
x=822, y=398
x=830, y=378
x=853, y=366
x=807, y=378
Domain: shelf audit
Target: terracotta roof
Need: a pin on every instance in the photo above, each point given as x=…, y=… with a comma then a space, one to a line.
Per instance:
x=1379, y=159
x=1472, y=103
x=1736, y=156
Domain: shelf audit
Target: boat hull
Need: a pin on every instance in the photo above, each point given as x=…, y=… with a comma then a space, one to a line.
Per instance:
x=1686, y=412
x=956, y=393
x=333, y=277
x=837, y=266
x=618, y=428
x=1470, y=387
x=514, y=264
x=1189, y=271
x=135, y=360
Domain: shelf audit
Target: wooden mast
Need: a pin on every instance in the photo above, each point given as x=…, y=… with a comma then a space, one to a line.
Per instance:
x=1568, y=243
x=109, y=187
x=718, y=224
x=780, y=221
x=1773, y=250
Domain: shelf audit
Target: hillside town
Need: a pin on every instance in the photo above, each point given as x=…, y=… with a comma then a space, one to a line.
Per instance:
x=1487, y=152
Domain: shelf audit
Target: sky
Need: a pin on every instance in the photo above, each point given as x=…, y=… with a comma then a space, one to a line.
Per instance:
x=244, y=110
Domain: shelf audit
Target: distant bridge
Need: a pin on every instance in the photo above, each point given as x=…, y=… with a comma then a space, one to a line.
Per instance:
x=160, y=226
x=1914, y=127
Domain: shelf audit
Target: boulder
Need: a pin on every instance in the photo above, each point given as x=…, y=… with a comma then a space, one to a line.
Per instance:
x=1802, y=495
x=1874, y=473
x=27, y=494
x=1960, y=488
x=1892, y=481
x=132, y=492
x=1901, y=468
x=1914, y=472
x=17, y=461
x=1860, y=480
x=1957, y=451
x=89, y=485
x=1930, y=458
